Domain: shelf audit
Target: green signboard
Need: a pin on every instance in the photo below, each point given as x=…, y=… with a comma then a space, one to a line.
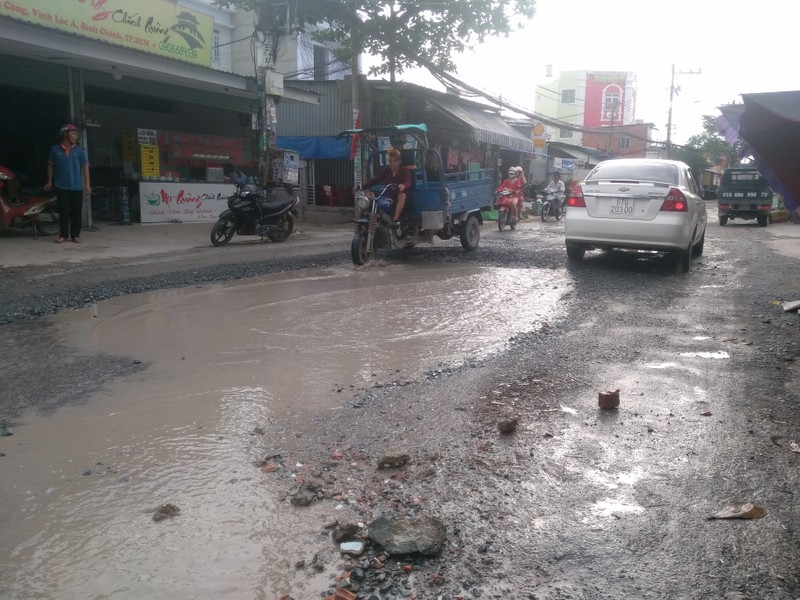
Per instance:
x=153, y=26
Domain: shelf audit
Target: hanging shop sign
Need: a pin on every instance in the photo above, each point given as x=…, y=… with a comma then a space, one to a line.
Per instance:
x=538, y=134
x=153, y=26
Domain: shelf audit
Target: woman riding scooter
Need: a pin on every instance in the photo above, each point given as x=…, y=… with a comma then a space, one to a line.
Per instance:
x=514, y=184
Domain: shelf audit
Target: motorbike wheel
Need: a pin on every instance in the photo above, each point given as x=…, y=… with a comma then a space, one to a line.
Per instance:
x=545, y=211
x=281, y=231
x=358, y=249
x=501, y=220
x=47, y=221
x=223, y=231
x=559, y=213
x=470, y=233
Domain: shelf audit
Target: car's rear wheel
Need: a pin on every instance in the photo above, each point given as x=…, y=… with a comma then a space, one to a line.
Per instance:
x=697, y=250
x=723, y=220
x=575, y=251
x=763, y=220
x=683, y=259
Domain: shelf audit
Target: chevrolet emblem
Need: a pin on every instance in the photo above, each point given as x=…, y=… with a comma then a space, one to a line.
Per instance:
x=624, y=189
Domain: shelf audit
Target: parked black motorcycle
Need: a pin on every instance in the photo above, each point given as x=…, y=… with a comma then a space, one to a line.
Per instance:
x=253, y=212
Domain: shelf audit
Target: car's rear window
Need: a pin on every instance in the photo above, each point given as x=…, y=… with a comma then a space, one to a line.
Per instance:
x=635, y=172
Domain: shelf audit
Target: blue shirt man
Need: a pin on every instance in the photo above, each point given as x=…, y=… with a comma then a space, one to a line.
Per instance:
x=68, y=168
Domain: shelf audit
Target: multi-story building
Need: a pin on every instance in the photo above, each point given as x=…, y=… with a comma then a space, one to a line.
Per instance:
x=586, y=100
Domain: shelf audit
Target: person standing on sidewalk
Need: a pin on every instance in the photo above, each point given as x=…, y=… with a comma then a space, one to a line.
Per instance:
x=68, y=168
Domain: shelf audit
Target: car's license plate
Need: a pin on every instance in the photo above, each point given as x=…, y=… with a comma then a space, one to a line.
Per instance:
x=621, y=206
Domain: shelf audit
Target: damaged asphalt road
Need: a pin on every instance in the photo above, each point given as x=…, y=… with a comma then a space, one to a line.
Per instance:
x=572, y=501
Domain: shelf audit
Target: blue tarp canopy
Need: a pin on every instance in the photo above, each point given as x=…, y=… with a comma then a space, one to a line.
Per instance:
x=310, y=147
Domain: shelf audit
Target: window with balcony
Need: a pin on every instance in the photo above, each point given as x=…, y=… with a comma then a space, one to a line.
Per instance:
x=215, y=60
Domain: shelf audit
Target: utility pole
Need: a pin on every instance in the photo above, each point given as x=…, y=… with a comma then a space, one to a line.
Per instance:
x=275, y=20
x=611, y=108
x=673, y=91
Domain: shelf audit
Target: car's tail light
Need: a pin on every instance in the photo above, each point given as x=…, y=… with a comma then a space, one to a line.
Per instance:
x=725, y=206
x=764, y=206
x=675, y=202
x=576, y=196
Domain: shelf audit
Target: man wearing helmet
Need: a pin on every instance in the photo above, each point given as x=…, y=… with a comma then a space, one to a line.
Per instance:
x=68, y=168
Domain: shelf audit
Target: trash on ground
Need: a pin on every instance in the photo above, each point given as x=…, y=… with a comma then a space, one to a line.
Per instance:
x=790, y=306
x=608, y=399
x=745, y=510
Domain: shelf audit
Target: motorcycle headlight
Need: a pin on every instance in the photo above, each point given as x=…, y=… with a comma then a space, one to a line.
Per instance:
x=362, y=202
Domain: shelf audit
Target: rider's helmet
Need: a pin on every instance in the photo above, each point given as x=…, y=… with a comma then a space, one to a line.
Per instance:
x=67, y=128
x=512, y=172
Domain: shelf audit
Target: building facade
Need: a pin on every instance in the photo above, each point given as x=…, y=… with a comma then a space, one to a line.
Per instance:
x=586, y=99
x=151, y=87
x=622, y=141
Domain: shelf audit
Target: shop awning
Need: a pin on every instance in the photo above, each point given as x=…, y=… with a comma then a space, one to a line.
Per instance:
x=310, y=147
x=486, y=126
x=770, y=125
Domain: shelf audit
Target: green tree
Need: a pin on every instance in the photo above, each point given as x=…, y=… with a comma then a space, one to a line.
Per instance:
x=705, y=149
x=405, y=34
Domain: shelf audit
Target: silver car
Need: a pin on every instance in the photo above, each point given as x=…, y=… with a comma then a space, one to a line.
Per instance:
x=637, y=203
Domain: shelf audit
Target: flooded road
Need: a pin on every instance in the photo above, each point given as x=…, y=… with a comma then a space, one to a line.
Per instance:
x=226, y=363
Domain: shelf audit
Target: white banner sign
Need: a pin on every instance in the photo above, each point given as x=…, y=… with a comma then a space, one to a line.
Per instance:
x=185, y=202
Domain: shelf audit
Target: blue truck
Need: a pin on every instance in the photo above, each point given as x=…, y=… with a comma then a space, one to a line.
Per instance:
x=439, y=204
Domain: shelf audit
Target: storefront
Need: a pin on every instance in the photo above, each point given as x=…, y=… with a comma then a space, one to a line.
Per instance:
x=161, y=127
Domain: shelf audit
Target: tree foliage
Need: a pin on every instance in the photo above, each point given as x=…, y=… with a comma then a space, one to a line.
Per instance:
x=404, y=34
x=703, y=150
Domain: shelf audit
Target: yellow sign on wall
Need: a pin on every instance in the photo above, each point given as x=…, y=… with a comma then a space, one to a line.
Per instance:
x=153, y=26
x=151, y=166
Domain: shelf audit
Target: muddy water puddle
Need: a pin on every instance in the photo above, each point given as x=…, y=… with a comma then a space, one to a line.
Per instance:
x=224, y=363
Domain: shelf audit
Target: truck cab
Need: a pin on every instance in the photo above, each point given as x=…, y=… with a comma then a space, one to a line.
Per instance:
x=744, y=194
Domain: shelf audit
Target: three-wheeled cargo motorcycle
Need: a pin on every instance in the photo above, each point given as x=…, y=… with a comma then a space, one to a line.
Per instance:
x=438, y=204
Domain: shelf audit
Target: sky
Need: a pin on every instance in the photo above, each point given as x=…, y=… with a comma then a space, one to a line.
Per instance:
x=734, y=47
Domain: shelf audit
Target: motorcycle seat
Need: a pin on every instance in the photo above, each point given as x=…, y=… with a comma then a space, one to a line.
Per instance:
x=275, y=205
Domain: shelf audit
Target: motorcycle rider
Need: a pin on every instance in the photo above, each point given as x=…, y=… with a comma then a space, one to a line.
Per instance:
x=557, y=188
x=513, y=183
x=393, y=174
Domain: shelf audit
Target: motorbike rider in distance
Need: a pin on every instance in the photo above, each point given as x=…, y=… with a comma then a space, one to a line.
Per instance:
x=395, y=174
x=513, y=183
x=557, y=188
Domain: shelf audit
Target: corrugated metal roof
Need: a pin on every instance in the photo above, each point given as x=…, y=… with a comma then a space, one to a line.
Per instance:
x=331, y=116
x=487, y=127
